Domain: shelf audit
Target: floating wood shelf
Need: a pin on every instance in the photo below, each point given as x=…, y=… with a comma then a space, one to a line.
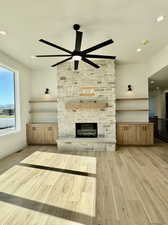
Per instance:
x=42, y=112
x=131, y=99
x=86, y=105
x=132, y=110
x=42, y=100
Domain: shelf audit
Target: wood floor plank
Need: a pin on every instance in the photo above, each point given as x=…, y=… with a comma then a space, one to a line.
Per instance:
x=70, y=197
x=128, y=187
x=64, y=161
x=151, y=208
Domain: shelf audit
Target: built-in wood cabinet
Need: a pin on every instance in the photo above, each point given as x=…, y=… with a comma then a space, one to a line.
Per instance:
x=42, y=133
x=135, y=134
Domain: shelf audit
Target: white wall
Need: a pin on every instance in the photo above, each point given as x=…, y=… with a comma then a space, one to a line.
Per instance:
x=40, y=80
x=158, y=61
x=137, y=76
x=13, y=142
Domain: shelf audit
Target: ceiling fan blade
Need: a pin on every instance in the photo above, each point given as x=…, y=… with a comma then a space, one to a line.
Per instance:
x=78, y=43
x=40, y=56
x=101, y=45
x=61, y=62
x=55, y=46
x=100, y=56
x=90, y=63
x=76, y=64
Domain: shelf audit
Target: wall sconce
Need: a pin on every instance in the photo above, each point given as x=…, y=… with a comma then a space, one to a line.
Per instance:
x=129, y=88
x=47, y=90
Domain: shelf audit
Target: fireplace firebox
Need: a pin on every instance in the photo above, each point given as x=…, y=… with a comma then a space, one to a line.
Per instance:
x=86, y=130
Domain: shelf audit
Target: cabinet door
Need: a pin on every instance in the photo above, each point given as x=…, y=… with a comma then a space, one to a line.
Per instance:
x=126, y=134
x=150, y=134
x=28, y=133
x=119, y=134
x=35, y=134
x=130, y=135
x=145, y=134
x=50, y=137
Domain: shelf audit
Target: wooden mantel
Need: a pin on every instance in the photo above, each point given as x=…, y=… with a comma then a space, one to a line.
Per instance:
x=85, y=105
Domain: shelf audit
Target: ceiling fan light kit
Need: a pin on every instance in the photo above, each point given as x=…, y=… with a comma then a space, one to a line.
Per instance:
x=76, y=58
x=78, y=55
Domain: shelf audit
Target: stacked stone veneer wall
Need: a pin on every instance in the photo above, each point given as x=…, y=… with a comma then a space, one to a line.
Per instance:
x=87, y=84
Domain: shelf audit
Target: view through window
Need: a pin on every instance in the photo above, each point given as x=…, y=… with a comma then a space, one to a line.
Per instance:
x=7, y=99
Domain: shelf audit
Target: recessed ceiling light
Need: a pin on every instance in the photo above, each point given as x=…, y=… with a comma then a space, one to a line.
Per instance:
x=160, y=19
x=152, y=82
x=139, y=49
x=33, y=57
x=2, y=32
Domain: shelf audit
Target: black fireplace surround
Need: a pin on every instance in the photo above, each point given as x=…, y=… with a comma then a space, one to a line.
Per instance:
x=86, y=130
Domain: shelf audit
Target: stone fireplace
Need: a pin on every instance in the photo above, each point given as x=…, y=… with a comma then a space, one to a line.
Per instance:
x=86, y=97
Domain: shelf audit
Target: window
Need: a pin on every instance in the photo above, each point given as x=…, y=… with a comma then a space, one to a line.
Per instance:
x=7, y=100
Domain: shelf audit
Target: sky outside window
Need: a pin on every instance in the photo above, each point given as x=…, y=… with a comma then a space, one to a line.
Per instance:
x=6, y=87
x=7, y=99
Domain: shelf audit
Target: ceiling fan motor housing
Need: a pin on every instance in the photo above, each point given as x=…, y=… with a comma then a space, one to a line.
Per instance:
x=77, y=53
x=76, y=27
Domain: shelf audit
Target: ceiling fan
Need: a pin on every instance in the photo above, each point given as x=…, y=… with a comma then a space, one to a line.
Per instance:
x=77, y=54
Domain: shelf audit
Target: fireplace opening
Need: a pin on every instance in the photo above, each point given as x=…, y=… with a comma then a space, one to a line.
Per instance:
x=86, y=130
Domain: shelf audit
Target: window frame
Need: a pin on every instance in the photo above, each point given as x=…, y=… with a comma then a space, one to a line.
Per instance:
x=17, y=127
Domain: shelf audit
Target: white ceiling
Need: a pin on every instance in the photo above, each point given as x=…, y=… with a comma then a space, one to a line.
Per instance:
x=127, y=22
x=160, y=80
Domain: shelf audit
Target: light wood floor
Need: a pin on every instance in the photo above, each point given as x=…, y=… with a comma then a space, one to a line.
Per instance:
x=42, y=186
